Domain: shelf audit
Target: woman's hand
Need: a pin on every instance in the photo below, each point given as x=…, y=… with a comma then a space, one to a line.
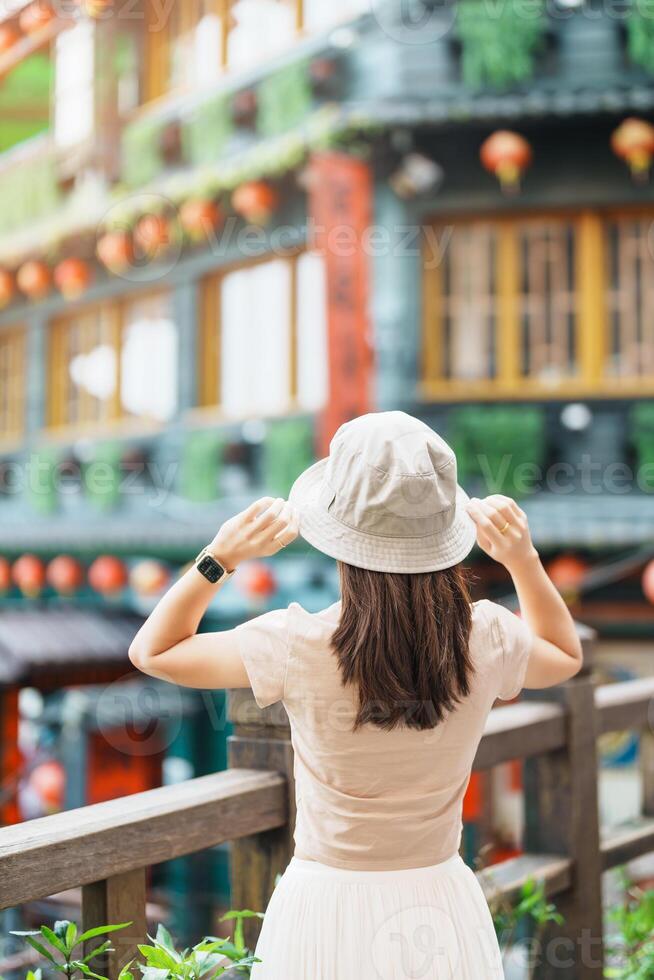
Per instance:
x=263, y=529
x=502, y=530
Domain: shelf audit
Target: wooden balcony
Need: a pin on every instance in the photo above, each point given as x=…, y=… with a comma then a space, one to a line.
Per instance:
x=106, y=848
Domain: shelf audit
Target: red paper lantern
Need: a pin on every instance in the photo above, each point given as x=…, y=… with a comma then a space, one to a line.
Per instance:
x=8, y=37
x=199, y=217
x=255, y=201
x=35, y=17
x=5, y=575
x=72, y=277
x=48, y=782
x=507, y=155
x=149, y=577
x=257, y=580
x=7, y=288
x=65, y=574
x=567, y=572
x=29, y=575
x=152, y=235
x=115, y=251
x=647, y=582
x=107, y=575
x=34, y=279
x=633, y=141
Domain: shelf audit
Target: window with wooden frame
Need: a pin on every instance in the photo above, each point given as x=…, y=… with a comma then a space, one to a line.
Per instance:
x=263, y=337
x=191, y=43
x=500, y=304
x=12, y=383
x=114, y=362
x=629, y=353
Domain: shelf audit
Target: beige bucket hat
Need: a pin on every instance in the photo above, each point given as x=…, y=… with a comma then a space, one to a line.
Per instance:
x=386, y=498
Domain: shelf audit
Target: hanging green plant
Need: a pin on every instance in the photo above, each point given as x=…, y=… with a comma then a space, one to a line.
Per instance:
x=207, y=131
x=498, y=448
x=499, y=42
x=284, y=99
x=288, y=449
x=640, y=35
x=142, y=157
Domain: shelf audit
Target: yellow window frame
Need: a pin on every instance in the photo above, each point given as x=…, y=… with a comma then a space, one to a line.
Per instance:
x=13, y=345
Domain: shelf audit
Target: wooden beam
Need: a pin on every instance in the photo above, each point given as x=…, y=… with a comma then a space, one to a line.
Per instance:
x=626, y=705
x=518, y=731
x=504, y=881
x=120, y=898
x=81, y=846
x=591, y=291
x=625, y=843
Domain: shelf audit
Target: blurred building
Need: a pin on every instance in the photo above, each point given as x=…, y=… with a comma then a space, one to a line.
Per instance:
x=226, y=226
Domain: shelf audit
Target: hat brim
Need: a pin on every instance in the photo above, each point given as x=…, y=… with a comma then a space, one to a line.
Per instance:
x=378, y=553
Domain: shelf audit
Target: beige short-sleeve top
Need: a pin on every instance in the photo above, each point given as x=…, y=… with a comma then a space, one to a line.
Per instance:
x=372, y=799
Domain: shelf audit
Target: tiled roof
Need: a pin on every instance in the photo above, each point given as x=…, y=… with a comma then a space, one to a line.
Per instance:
x=36, y=641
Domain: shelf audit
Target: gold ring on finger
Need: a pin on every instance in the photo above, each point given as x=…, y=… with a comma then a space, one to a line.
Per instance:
x=504, y=529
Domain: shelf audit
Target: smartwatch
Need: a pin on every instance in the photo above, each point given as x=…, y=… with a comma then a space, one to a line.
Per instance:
x=209, y=566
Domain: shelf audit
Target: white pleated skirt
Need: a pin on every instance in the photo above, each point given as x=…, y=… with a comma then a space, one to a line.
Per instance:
x=326, y=923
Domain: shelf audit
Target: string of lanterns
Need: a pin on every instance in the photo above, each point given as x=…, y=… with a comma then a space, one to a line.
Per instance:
x=196, y=220
x=109, y=576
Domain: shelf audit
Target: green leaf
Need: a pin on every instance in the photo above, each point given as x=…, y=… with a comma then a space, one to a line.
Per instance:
x=86, y=970
x=41, y=949
x=70, y=935
x=100, y=931
x=164, y=939
x=126, y=973
x=98, y=951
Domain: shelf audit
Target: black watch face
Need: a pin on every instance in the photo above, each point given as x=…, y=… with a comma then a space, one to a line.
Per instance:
x=212, y=570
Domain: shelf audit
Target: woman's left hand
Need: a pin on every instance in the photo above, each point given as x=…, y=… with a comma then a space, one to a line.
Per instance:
x=263, y=529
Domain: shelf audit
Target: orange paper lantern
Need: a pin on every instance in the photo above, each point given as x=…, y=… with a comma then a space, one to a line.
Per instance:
x=29, y=575
x=5, y=575
x=257, y=580
x=507, y=155
x=72, y=277
x=107, y=575
x=567, y=572
x=65, y=574
x=149, y=577
x=48, y=782
x=633, y=141
x=152, y=235
x=7, y=288
x=34, y=279
x=199, y=217
x=114, y=249
x=255, y=201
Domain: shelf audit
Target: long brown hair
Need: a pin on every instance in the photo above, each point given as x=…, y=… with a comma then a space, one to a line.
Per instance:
x=403, y=640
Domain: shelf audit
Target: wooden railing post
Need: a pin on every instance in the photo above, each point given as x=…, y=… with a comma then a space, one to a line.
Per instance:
x=562, y=817
x=120, y=898
x=261, y=740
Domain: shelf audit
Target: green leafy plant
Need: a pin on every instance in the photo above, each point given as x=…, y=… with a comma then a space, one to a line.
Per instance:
x=630, y=948
x=499, y=42
x=640, y=35
x=284, y=99
x=532, y=909
x=62, y=947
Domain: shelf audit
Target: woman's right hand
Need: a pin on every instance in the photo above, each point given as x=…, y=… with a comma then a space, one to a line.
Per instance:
x=263, y=529
x=502, y=530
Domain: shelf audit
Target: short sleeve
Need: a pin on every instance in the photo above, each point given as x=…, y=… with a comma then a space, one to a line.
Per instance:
x=515, y=639
x=263, y=645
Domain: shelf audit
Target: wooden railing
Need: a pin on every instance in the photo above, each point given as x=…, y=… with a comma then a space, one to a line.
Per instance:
x=106, y=848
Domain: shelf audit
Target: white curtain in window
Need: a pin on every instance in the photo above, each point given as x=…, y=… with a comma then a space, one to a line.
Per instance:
x=73, y=86
x=149, y=357
x=322, y=14
x=255, y=318
x=261, y=29
x=312, y=361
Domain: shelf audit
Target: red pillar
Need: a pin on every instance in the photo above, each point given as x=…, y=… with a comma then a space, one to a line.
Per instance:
x=9, y=756
x=340, y=217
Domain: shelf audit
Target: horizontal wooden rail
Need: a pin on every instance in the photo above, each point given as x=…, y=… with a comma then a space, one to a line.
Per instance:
x=506, y=880
x=47, y=855
x=625, y=705
x=628, y=841
x=518, y=731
